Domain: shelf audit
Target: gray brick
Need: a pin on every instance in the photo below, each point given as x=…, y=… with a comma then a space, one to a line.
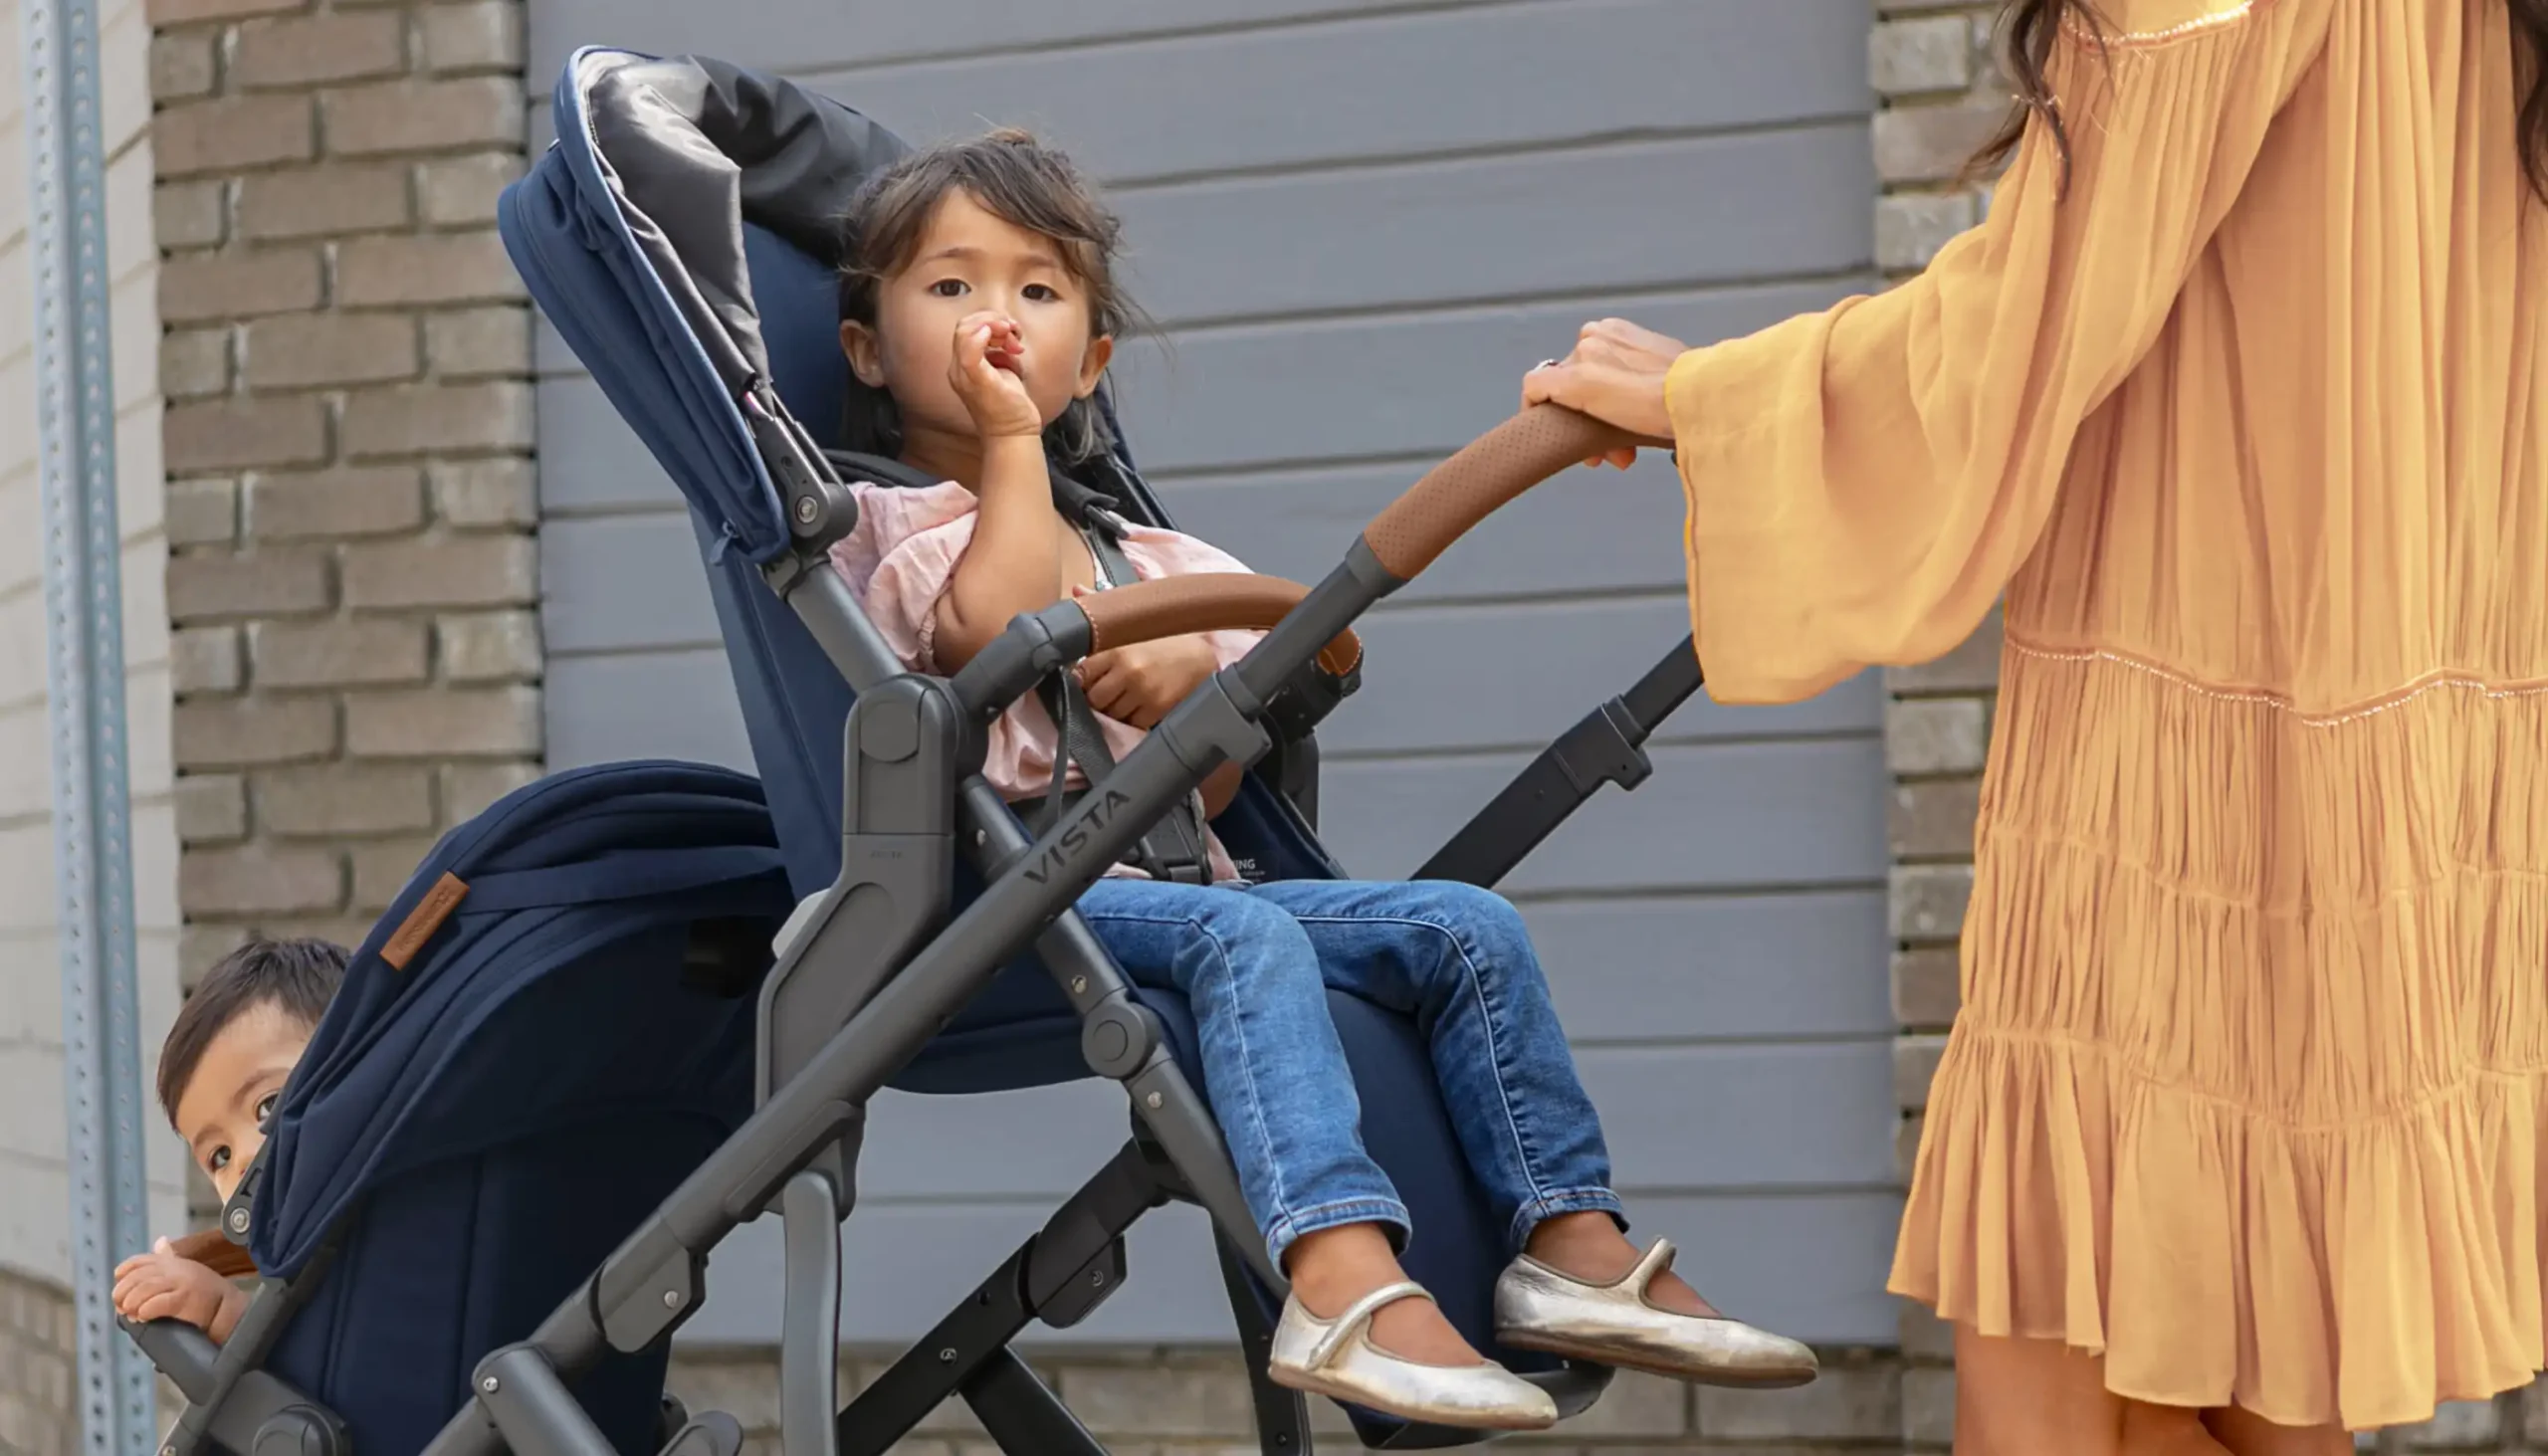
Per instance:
x=1148, y=1400
x=185, y=64
x=1927, y=901
x=204, y=660
x=1925, y=53
x=412, y=116
x=229, y=732
x=238, y=434
x=1926, y=991
x=232, y=134
x=445, y=571
x=338, y=652
x=324, y=201
x=1849, y=1401
x=334, y=504
x=189, y=214
x=437, y=268
x=212, y=808
x=428, y=419
x=478, y=493
x=340, y=799
x=486, y=34
x=298, y=350
x=445, y=723
x=2534, y=1414
x=1933, y=818
x=478, y=343
x=1933, y=144
x=199, y=947
x=200, y=512
x=200, y=289
x=1915, y=1065
x=1912, y=227
x=194, y=362
x=1973, y=666
x=1928, y=1408
x=166, y=13
x=259, y=879
x=1936, y=735
x=2459, y=1425
x=476, y=647
x=461, y=191
x=210, y=584
x=468, y=788
x=308, y=50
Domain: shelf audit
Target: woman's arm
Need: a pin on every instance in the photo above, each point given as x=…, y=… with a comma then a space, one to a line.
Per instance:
x=1863, y=483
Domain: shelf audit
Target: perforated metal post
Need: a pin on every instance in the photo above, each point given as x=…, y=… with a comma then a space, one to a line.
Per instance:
x=84, y=654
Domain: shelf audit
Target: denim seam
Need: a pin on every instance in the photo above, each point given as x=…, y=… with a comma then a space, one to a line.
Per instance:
x=1494, y=1047
x=1338, y=1215
x=1549, y=1205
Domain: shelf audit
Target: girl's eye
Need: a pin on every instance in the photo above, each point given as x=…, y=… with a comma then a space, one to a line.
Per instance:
x=1042, y=292
x=949, y=288
x=265, y=1107
x=217, y=1159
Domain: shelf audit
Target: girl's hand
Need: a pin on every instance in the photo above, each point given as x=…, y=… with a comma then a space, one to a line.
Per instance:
x=989, y=352
x=1139, y=684
x=1615, y=374
x=165, y=1285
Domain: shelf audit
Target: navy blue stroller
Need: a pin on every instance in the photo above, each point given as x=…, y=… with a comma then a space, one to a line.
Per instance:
x=659, y=1024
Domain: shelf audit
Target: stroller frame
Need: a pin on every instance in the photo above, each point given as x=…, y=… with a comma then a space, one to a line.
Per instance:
x=864, y=974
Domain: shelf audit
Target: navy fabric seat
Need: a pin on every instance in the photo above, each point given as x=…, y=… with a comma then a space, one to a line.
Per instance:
x=478, y=1129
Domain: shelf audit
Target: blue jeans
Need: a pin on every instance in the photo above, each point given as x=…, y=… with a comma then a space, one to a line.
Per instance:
x=1255, y=962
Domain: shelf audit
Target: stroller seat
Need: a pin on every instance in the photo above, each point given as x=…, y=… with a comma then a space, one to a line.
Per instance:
x=632, y=1007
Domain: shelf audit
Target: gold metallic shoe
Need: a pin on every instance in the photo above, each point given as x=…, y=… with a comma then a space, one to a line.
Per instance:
x=1537, y=1308
x=1337, y=1360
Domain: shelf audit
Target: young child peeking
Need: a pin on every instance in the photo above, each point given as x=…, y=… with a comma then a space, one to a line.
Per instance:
x=978, y=312
x=231, y=1049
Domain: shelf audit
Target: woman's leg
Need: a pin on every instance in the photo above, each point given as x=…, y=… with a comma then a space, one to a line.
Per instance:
x=2248, y=1434
x=1458, y=959
x=1279, y=1085
x=2023, y=1397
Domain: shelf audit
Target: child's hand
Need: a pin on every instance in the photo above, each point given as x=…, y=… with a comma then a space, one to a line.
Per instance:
x=165, y=1285
x=986, y=372
x=1139, y=684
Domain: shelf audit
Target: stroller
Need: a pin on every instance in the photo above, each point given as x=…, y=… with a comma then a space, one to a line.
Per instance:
x=629, y=1009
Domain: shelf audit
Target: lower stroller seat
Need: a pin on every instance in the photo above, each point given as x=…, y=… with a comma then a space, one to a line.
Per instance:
x=630, y=1008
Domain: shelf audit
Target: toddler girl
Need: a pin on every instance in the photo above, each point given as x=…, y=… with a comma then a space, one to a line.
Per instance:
x=979, y=314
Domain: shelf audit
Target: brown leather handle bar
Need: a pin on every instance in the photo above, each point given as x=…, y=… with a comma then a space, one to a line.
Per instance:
x=215, y=1252
x=1487, y=471
x=1224, y=601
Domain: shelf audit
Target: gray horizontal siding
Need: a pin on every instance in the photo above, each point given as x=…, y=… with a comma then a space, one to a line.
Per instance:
x=1358, y=223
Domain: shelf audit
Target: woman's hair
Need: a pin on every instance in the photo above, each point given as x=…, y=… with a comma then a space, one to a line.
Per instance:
x=2033, y=28
x=1022, y=183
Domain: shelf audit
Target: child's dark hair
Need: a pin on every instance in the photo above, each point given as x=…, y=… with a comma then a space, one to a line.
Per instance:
x=1022, y=183
x=297, y=977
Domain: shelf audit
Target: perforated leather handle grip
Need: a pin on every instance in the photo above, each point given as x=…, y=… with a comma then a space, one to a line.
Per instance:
x=1487, y=471
x=1220, y=601
x=215, y=1252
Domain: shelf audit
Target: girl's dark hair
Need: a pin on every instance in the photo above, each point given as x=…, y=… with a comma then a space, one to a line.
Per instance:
x=297, y=977
x=2033, y=28
x=1022, y=183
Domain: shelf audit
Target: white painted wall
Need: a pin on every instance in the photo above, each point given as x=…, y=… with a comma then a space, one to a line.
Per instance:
x=34, y=1189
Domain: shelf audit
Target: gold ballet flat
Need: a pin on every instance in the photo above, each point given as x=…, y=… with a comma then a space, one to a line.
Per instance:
x=1537, y=1308
x=1337, y=1360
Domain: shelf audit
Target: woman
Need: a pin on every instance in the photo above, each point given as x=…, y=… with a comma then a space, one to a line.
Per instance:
x=2239, y=397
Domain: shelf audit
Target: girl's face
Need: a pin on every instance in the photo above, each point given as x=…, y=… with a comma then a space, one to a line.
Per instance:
x=971, y=261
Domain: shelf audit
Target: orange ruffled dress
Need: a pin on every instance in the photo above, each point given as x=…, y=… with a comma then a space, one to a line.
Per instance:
x=2251, y=429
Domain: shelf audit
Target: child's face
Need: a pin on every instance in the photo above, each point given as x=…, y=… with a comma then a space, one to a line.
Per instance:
x=971, y=261
x=222, y=1111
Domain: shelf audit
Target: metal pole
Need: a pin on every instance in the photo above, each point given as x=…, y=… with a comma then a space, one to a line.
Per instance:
x=84, y=656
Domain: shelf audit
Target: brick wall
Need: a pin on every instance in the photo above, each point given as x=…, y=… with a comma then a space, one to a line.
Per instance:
x=347, y=362
x=37, y=1345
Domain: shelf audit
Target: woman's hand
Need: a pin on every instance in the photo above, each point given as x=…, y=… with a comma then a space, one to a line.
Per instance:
x=1615, y=374
x=984, y=375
